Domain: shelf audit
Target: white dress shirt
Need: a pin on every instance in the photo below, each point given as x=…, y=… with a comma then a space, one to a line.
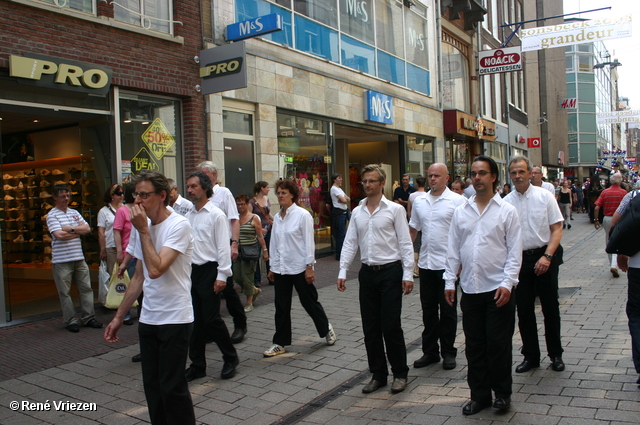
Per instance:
x=292, y=244
x=183, y=206
x=550, y=187
x=432, y=215
x=538, y=210
x=487, y=245
x=223, y=199
x=382, y=237
x=211, y=238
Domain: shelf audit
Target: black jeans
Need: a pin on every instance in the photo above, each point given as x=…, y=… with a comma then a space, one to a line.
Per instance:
x=544, y=287
x=381, y=308
x=164, y=354
x=308, y=295
x=440, y=325
x=488, y=332
x=208, y=322
x=234, y=305
x=339, y=220
x=633, y=314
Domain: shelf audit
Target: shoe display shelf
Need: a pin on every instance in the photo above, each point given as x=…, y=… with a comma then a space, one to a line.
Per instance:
x=27, y=197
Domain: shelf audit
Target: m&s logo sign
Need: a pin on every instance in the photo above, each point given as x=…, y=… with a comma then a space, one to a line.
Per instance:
x=379, y=107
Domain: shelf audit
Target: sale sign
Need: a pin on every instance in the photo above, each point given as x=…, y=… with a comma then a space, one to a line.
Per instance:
x=158, y=139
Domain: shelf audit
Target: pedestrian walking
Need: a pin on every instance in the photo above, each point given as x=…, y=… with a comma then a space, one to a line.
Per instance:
x=609, y=200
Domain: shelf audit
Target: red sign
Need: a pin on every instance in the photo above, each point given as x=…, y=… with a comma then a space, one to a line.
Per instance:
x=571, y=103
x=533, y=142
x=501, y=60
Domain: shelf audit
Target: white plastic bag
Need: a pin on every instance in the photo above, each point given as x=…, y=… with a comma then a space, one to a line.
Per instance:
x=104, y=278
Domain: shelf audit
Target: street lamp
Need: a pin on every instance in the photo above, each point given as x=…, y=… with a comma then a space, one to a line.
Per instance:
x=613, y=64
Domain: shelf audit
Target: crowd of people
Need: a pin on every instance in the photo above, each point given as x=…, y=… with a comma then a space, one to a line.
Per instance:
x=461, y=240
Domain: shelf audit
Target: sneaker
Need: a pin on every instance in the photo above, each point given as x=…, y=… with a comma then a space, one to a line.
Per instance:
x=44, y=183
x=73, y=182
x=21, y=218
x=57, y=172
x=8, y=187
x=74, y=204
x=331, y=336
x=7, y=176
x=45, y=172
x=45, y=194
x=275, y=350
x=248, y=308
x=60, y=182
x=20, y=185
x=8, y=198
x=19, y=239
x=19, y=175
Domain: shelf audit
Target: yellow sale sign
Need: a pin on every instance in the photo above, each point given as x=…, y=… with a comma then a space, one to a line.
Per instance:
x=158, y=139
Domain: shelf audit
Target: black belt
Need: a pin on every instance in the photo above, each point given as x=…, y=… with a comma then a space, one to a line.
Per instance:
x=381, y=266
x=535, y=251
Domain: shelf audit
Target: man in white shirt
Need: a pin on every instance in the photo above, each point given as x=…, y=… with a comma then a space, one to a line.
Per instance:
x=541, y=222
x=469, y=191
x=223, y=199
x=431, y=214
x=339, y=212
x=163, y=245
x=210, y=268
x=485, y=239
x=379, y=229
x=177, y=202
x=536, y=180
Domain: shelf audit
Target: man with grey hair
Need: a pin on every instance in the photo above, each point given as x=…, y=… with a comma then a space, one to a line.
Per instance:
x=536, y=180
x=541, y=223
x=609, y=200
x=179, y=204
x=469, y=190
x=223, y=199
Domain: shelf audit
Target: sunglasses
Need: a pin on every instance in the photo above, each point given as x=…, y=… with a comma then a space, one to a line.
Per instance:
x=118, y=193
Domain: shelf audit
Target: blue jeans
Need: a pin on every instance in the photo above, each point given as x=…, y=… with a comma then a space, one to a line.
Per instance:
x=633, y=313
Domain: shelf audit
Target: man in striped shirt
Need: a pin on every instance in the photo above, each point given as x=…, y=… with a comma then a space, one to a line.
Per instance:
x=66, y=225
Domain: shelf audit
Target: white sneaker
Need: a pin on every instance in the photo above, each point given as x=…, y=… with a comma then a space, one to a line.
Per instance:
x=19, y=239
x=8, y=198
x=331, y=336
x=274, y=351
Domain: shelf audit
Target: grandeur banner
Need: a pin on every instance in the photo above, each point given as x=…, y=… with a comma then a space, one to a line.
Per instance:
x=576, y=32
x=615, y=117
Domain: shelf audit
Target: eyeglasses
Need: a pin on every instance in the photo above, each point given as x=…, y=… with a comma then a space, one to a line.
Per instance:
x=369, y=181
x=480, y=173
x=142, y=195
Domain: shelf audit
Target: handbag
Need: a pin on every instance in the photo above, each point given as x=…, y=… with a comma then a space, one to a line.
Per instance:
x=103, y=285
x=622, y=236
x=249, y=252
x=117, y=289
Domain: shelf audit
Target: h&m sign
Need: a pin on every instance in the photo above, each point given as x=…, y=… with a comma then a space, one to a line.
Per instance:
x=379, y=107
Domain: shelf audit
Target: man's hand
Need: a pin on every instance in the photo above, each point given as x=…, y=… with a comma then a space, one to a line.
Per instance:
x=342, y=285
x=139, y=218
x=503, y=295
x=309, y=276
x=271, y=276
x=111, y=332
x=218, y=286
x=623, y=262
x=450, y=296
x=542, y=266
x=407, y=286
x=234, y=251
x=596, y=224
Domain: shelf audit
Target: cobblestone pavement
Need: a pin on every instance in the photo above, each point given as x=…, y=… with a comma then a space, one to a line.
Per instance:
x=313, y=383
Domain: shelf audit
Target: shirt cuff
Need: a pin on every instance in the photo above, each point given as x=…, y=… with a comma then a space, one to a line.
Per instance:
x=342, y=274
x=450, y=284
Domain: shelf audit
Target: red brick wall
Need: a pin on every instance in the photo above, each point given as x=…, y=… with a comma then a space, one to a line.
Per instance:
x=139, y=62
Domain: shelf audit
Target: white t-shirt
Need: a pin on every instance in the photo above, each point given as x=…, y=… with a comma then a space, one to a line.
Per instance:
x=335, y=192
x=106, y=216
x=167, y=299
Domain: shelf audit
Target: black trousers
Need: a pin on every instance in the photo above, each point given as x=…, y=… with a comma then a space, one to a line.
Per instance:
x=308, y=295
x=208, y=322
x=488, y=332
x=439, y=318
x=544, y=287
x=381, y=308
x=164, y=354
x=234, y=305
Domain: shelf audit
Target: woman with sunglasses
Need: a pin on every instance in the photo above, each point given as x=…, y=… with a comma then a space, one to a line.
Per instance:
x=113, y=201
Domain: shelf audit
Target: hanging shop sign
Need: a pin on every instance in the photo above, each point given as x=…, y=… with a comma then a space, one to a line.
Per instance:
x=501, y=60
x=379, y=107
x=615, y=117
x=223, y=68
x=57, y=73
x=534, y=142
x=143, y=161
x=577, y=32
x=254, y=27
x=570, y=103
x=457, y=123
x=158, y=139
x=520, y=139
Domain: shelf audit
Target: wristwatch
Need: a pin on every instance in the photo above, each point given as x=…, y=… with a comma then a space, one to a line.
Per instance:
x=548, y=256
x=73, y=229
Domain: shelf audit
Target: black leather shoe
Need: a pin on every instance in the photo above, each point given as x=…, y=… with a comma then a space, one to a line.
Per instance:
x=526, y=366
x=229, y=369
x=373, y=385
x=137, y=358
x=557, y=364
x=192, y=373
x=474, y=407
x=426, y=360
x=502, y=403
x=448, y=362
x=93, y=323
x=73, y=327
x=238, y=335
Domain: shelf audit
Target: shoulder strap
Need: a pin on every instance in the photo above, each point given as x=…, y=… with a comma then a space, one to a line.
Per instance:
x=262, y=210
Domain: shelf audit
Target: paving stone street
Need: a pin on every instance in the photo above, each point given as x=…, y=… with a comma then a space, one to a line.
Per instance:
x=313, y=383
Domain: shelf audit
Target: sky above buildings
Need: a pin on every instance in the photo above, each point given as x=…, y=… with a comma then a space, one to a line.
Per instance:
x=626, y=50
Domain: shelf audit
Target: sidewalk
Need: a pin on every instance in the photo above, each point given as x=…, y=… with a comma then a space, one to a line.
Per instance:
x=316, y=384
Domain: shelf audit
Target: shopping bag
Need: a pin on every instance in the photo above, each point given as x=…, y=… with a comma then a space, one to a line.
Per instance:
x=103, y=285
x=117, y=289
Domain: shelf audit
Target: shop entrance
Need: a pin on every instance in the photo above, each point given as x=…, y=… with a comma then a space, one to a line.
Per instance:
x=41, y=148
x=357, y=147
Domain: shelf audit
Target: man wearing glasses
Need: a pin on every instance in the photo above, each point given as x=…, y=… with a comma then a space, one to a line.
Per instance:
x=379, y=229
x=163, y=245
x=485, y=239
x=536, y=180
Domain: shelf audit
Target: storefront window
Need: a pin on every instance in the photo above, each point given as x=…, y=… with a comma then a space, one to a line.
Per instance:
x=419, y=155
x=455, y=78
x=150, y=136
x=302, y=147
x=325, y=11
x=416, y=31
x=389, y=17
x=460, y=159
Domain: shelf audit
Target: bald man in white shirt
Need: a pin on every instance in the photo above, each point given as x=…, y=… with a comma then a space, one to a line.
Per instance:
x=485, y=239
